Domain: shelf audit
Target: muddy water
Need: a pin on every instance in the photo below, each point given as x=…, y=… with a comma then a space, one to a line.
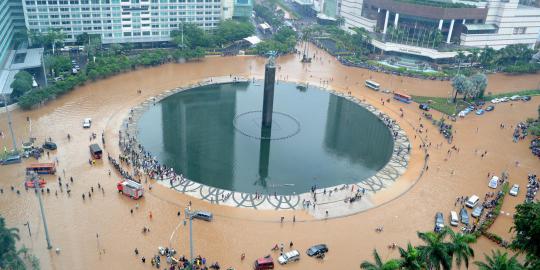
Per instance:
x=74, y=223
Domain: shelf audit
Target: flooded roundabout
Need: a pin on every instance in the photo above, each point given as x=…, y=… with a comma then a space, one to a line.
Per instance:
x=102, y=232
x=213, y=136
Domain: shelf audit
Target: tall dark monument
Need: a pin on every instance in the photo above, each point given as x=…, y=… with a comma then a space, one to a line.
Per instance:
x=268, y=100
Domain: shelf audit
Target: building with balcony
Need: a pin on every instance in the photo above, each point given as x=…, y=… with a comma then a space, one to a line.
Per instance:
x=436, y=29
x=122, y=21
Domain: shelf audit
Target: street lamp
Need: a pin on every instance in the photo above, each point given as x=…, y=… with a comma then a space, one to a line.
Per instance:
x=189, y=215
x=35, y=179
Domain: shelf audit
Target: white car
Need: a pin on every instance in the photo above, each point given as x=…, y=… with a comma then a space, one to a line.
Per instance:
x=87, y=122
x=515, y=97
x=514, y=190
x=288, y=257
x=495, y=100
x=493, y=182
x=504, y=99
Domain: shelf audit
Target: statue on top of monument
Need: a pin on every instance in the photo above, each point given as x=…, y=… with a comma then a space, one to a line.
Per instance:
x=271, y=58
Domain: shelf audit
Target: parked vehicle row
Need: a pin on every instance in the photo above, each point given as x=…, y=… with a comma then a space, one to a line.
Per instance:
x=267, y=262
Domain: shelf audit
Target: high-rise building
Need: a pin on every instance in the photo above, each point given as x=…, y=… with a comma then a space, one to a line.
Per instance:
x=11, y=21
x=436, y=29
x=120, y=21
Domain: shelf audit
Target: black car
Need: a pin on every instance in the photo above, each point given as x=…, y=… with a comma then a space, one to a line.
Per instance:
x=424, y=107
x=526, y=98
x=490, y=108
x=49, y=146
x=316, y=250
x=479, y=103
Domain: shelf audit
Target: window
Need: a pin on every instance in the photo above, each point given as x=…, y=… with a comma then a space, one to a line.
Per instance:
x=127, y=34
x=519, y=30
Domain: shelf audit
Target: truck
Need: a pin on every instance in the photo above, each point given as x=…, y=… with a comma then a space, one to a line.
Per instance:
x=130, y=188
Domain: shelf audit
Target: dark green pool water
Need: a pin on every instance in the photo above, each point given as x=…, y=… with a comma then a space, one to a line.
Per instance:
x=212, y=134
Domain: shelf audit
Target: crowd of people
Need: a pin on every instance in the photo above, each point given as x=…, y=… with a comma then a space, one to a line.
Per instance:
x=180, y=263
x=532, y=187
x=535, y=147
x=520, y=132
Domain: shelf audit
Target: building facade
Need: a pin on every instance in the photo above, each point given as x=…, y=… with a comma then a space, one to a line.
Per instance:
x=121, y=21
x=437, y=29
x=11, y=21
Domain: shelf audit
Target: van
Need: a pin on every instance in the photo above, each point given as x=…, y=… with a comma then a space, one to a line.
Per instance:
x=454, y=218
x=472, y=201
x=12, y=159
x=203, y=215
x=264, y=263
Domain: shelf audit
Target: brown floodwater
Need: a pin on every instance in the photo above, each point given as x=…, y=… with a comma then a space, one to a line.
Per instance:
x=74, y=223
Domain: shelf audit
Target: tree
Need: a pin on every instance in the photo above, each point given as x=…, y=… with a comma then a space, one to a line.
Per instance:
x=191, y=36
x=58, y=63
x=232, y=30
x=410, y=258
x=479, y=83
x=21, y=84
x=54, y=37
x=461, y=85
x=435, y=252
x=499, y=261
x=460, y=56
x=9, y=257
x=460, y=246
x=527, y=228
x=82, y=39
x=379, y=264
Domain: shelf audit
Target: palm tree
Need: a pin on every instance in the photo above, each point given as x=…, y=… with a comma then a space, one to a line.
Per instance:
x=410, y=258
x=460, y=56
x=379, y=264
x=436, y=253
x=461, y=85
x=499, y=261
x=8, y=237
x=461, y=250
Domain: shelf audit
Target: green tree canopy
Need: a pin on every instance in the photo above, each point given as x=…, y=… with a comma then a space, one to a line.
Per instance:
x=527, y=228
x=461, y=85
x=21, y=84
x=499, y=261
x=232, y=30
x=379, y=264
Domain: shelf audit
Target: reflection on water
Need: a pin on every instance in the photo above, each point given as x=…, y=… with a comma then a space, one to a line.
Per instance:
x=192, y=131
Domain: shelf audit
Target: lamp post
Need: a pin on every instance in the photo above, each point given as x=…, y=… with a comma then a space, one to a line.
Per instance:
x=189, y=215
x=10, y=124
x=35, y=179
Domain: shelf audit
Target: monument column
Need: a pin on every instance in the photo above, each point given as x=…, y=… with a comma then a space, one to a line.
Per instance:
x=268, y=99
x=450, y=31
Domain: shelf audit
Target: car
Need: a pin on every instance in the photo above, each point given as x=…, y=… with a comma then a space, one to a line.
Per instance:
x=464, y=216
x=203, y=215
x=439, y=221
x=11, y=159
x=526, y=98
x=477, y=211
x=287, y=257
x=74, y=71
x=264, y=263
x=504, y=99
x=495, y=100
x=57, y=79
x=490, y=108
x=424, y=107
x=317, y=250
x=480, y=112
x=514, y=190
x=493, y=182
x=515, y=97
x=87, y=122
x=81, y=48
x=73, y=62
x=479, y=103
x=471, y=108
x=49, y=146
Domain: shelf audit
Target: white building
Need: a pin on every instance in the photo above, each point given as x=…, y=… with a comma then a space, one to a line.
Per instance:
x=435, y=29
x=120, y=21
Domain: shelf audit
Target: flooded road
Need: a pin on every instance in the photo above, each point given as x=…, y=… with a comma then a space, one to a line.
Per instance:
x=101, y=233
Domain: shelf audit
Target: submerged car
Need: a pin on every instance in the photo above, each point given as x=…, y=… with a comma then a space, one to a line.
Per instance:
x=490, y=108
x=439, y=221
x=514, y=190
x=493, y=182
x=477, y=211
x=288, y=257
x=49, y=145
x=316, y=250
x=480, y=112
x=464, y=216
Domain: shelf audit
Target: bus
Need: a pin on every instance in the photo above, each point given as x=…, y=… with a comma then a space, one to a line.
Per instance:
x=373, y=85
x=42, y=168
x=402, y=97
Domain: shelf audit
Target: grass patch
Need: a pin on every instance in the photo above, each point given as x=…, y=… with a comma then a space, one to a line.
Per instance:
x=442, y=104
x=535, y=92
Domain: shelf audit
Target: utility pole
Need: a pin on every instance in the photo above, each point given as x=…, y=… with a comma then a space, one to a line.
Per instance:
x=189, y=215
x=10, y=125
x=33, y=176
